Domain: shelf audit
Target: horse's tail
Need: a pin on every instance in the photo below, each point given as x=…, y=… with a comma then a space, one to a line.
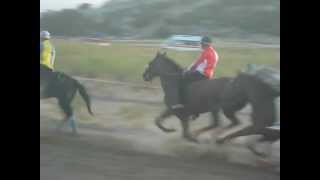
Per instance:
x=83, y=92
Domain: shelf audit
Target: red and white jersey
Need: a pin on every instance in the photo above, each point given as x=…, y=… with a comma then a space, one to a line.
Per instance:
x=206, y=63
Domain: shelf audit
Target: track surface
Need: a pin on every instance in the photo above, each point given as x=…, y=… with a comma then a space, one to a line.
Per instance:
x=113, y=146
x=94, y=156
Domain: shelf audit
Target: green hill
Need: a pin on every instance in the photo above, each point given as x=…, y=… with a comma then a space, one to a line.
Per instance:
x=159, y=18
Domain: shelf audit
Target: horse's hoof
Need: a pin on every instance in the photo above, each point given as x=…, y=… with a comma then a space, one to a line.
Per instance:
x=192, y=139
x=194, y=117
x=166, y=130
x=169, y=130
x=75, y=134
x=218, y=131
x=196, y=133
x=265, y=163
x=255, y=152
x=220, y=141
x=58, y=129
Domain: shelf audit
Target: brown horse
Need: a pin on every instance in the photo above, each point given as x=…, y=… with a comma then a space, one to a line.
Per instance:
x=199, y=97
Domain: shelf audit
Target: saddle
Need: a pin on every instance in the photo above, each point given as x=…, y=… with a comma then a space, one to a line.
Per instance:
x=267, y=75
x=46, y=74
x=50, y=78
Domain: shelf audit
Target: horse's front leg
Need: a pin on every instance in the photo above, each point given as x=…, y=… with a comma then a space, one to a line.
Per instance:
x=215, y=122
x=186, y=130
x=159, y=120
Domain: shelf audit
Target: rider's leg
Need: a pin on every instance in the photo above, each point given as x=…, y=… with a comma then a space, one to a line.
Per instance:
x=187, y=79
x=46, y=74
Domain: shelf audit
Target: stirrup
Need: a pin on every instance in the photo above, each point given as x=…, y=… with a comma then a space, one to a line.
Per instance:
x=177, y=106
x=194, y=116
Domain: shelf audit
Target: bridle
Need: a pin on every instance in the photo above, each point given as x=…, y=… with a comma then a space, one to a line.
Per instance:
x=166, y=74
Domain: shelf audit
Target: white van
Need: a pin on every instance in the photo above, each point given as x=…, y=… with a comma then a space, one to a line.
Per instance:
x=183, y=42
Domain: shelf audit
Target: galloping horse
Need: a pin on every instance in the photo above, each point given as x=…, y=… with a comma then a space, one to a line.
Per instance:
x=62, y=87
x=200, y=97
x=261, y=97
x=227, y=94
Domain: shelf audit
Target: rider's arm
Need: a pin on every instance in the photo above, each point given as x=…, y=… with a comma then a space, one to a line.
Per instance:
x=195, y=63
x=53, y=56
x=41, y=47
x=211, y=59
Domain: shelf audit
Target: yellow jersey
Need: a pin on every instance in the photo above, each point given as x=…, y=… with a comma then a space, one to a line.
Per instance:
x=47, y=54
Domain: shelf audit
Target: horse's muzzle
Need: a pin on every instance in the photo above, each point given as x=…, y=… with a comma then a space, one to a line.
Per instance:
x=147, y=76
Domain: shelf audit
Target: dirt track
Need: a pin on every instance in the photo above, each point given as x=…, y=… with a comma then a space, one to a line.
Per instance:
x=121, y=144
x=94, y=157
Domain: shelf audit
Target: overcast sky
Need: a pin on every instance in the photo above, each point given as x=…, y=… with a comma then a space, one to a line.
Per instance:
x=61, y=4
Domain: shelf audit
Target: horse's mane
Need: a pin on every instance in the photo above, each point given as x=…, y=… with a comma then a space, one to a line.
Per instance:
x=248, y=76
x=258, y=81
x=173, y=63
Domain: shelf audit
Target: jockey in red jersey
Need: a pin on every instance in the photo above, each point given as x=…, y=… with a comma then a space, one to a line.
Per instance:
x=203, y=67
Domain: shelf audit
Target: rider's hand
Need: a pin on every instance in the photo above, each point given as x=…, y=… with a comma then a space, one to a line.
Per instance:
x=185, y=71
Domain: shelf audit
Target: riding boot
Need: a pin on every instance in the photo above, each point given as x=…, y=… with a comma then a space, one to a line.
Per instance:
x=194, y=116
x=183, y=100
x=179, y=110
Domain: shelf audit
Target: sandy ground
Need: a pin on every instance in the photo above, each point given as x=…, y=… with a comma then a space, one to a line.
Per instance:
x=121, y=142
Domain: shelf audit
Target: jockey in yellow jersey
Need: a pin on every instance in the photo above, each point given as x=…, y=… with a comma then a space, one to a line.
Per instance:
x=47, y=51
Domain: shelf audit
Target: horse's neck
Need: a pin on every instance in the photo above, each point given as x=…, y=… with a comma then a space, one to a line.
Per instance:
x=172, y=65
x=170, y=79
x=169, y=83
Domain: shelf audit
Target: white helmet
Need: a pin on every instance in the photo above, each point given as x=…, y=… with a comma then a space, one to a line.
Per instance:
x=45, y=35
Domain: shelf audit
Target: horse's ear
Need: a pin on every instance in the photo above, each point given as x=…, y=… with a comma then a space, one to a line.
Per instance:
x=239, y=72
x=164, y=54
x=161, y=52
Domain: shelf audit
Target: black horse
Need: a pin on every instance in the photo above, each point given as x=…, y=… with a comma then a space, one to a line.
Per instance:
x=199, y=97
x=260, y=86
x=62, y=87
x=262, y=97
x=247, y=88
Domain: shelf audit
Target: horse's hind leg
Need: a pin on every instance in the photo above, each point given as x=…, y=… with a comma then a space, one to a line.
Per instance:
x=215, y=122
x=159, y=120
x=268, y=135
x=251, y=130
x=70, y=118
x=231, y=115
x=252, y=147
x=229, y=110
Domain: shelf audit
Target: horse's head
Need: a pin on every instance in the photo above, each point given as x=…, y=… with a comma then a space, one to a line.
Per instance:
x=153, y=69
